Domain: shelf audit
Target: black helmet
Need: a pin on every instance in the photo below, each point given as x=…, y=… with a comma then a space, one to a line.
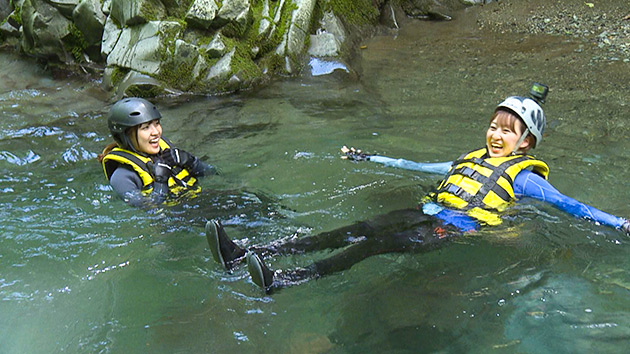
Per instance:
x=128, y=113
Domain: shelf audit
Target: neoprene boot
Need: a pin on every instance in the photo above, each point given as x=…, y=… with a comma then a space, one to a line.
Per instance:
x=261, y=275
x=223, y=250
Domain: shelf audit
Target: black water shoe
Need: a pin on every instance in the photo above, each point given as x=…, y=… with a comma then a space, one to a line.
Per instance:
x=261, y=275
x=223, y=250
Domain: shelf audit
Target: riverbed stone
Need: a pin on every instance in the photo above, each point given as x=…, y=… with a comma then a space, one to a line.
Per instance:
x=90, y=20
x=202, y=13
x=129, y=13
x=142, y=48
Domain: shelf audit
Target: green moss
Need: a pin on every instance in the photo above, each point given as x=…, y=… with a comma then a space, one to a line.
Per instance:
x=357, y=12
x=145, y=91
x=242, y=63
x=17, y=14
x=177, y=8
x=269, y=44
x=174, y=74
x=75, y=43
x=118, y=74
x=152, y=11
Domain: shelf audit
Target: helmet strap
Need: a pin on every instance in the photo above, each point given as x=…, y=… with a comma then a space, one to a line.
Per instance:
x=520, y=141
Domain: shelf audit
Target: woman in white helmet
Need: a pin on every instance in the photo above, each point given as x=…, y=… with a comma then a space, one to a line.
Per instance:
x=476, y=189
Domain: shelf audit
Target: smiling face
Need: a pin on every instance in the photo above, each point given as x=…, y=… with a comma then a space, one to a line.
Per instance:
x=147, y=136
x=504, y=133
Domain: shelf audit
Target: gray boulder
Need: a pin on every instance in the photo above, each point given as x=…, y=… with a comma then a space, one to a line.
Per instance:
x=143, y=48
x=202, y=13
x=8, y=31
x=216, y=48
x=135, y=83
x=5, y=9
x=222, y=69
x=65, y=7
x=137, y=12
x=328, y=39
x=44, y=30
x=234, y=12
x=111, y=33
x=90, y=20
x=294, y=39
x=204, y=46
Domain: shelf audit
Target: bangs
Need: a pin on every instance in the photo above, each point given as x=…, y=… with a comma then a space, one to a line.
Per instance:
x=508, y=119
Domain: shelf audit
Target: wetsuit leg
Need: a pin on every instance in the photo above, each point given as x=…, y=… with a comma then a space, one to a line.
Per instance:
x=423, y=236
x=385, y=224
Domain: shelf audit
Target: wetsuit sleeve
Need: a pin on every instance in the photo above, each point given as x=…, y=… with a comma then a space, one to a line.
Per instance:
x=128, y=185
x=429, y=167
x=200, y=169
x=529, y=184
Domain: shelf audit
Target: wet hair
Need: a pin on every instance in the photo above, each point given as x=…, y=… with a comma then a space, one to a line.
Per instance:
x=131, y=133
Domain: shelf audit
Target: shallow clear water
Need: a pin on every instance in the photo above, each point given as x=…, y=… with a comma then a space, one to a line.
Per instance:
x=82, y=272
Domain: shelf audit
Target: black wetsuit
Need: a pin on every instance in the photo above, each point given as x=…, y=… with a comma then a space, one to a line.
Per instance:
x=407, y=230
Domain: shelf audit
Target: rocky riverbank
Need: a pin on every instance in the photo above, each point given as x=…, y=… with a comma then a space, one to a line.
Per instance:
x=606, y=23
x=152, y=47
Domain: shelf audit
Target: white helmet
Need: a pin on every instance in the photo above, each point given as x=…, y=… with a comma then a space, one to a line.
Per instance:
x=530, y=113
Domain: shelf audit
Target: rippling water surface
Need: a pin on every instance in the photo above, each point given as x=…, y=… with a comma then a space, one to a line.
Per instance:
x=82, y=272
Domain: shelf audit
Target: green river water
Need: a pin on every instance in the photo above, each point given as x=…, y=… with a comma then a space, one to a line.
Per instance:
x=81, y=272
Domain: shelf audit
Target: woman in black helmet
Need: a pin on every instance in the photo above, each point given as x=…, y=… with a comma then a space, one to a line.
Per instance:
x=142, y=166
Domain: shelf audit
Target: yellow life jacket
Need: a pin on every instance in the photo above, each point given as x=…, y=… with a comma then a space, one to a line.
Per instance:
x=483, y=185
x=180, y=183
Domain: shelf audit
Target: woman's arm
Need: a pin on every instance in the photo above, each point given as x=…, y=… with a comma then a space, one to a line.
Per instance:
x=429, y=167
x=529, y=184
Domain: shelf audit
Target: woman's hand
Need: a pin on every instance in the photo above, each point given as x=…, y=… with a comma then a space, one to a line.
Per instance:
x=354, y=154
x=178, y=157
x=161, y=170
